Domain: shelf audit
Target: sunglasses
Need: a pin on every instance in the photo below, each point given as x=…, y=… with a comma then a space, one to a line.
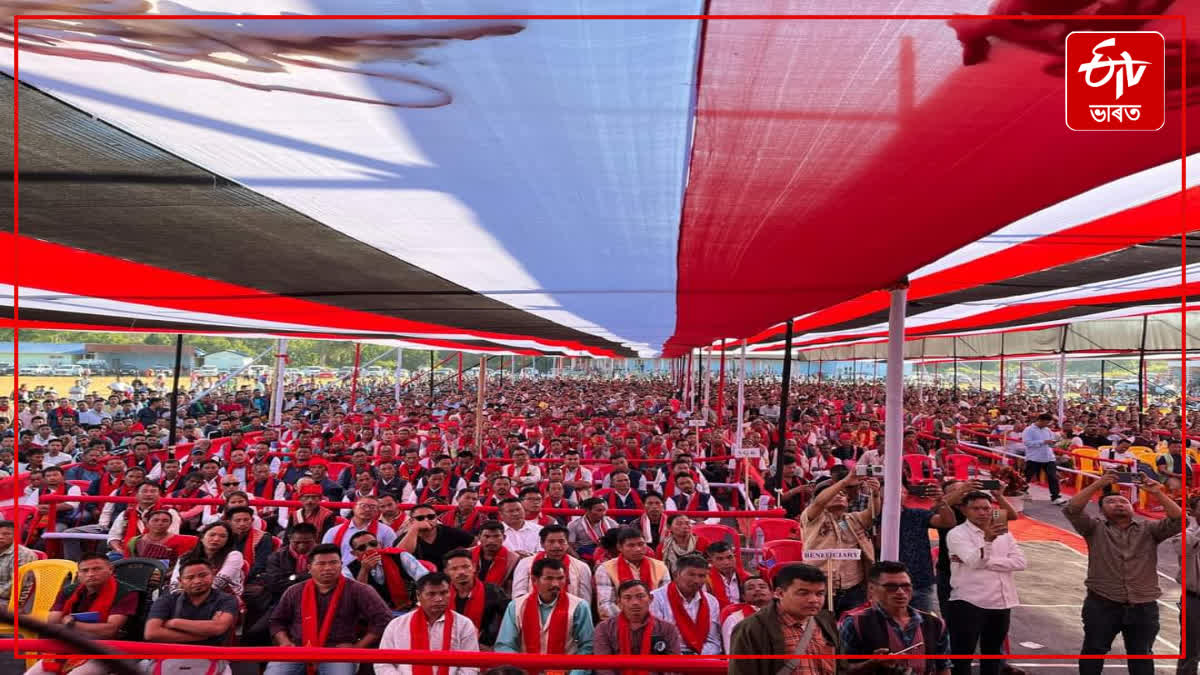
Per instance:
x=424, y=517
x=230, y=484
x=892, y=588
x=370, y=544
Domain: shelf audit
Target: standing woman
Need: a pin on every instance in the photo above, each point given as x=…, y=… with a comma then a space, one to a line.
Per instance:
x=216, y=547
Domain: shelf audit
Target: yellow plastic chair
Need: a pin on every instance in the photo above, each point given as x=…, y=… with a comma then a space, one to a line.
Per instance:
x=1086, y=462
x=1194, y=455
x=37, y=587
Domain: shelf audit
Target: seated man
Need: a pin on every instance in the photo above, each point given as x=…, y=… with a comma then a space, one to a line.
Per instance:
x=433, y=625
x=634, y=631
x=393, y=573
x=8, y=550
x=97, y=606
x=685, y=603
x=197, y=613
x=327, y=611
x=547, y=621
x=481, y=602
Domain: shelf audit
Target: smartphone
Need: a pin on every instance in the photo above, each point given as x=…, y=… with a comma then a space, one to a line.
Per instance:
x=990, y=484
x=1126, y=477
x=1139, y=477
x=999, y=516
x=918, y=490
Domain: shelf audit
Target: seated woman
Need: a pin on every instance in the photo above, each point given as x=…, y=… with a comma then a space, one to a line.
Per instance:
x=157, y=541
x=216, y=547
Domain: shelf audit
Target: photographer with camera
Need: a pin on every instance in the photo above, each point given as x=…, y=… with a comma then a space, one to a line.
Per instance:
x=1122, y=577
x=827, y=525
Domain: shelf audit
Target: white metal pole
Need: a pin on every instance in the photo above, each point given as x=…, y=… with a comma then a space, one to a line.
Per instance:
x=1062, y=385
x=707, y=381
x=277, y=394
x=893, y=425
x=741, y=411
x=399, y=362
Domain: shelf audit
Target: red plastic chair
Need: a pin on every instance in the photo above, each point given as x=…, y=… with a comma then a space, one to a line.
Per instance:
x=182, y=450
x=83, y=485
x=335, y=470
x=726, y=611
x=21, y=515
x=772, y=529
x=961, y=464
x=776, y=553
x=919, y=467
x=276, y=542
x=719, y=533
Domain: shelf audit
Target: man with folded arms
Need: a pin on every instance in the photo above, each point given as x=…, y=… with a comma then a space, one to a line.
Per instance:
x=97, y=593
x=685, y=603
x=432, y=626
x=326, y=611
x=555, y=546
x=481, y=602
x=391, y=572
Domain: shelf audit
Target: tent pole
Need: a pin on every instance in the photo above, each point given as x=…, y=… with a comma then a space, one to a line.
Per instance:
x=1142, y=375
x=1102, y=380
x=1002, y=368
x=981, y=377
x=399, y=363
x=277, y=393
x=460, y=372
x=696, y=383
x=721, y=389
x=479, y=397
x=741, y=398
x=707, y=381
x=500, y=368
x=955, y=357
x=820, y=370
x=431, y=367
x=784, y=395
x=175, y=391
x=893, y=421
x=354, y=377
x=1062, y=376
x=935, y=376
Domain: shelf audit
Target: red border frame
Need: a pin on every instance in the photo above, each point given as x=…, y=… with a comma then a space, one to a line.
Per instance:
x=627, y=17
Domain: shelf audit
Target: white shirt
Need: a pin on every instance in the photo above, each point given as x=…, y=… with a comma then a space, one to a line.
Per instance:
x=464, y=637
x=93, y=417
x=525, y=540
x=660, y=608
x=580, y=576
x=730, y=623
x=56, y=460
x=385, y=535
x=532, y=473
x=1037, y=443
x=981, y=572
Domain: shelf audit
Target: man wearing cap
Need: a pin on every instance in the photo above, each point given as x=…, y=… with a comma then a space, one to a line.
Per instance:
x=310, y=511
x=827, y=525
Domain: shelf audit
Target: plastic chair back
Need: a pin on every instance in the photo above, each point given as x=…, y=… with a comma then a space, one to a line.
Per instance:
x=335, y=470
x=719, y=533
x=772, y=529
x=83, y=485
x=1086, y=460
x=920, y=467
x=38, y=584
x=144, y=574
x=776, y=553
x=21, y=515
x=182, y=450
x=961, y=464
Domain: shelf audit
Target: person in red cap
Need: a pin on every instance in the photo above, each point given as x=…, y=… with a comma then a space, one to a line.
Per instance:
x=311, y=511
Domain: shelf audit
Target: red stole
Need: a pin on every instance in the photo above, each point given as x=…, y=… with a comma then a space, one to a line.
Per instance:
x=694, y=632
x=396, y=584
x=47, y=521
x=625, y=570
x=103, y=603
x=132, y=523
x=566, y=561
x=499, y=569
x=267, y=491
x=637, y=499
x=474, y=607
x=443, y=493
x=310, y=619
x=450, y=518
x=410, y=474
x=716, y=584
x=587, y=527
x=418, y=638
x=625, y=639
x=107, y=484
x=250, y=545
x=531, y=626
x=662, y=528
x=340, y=534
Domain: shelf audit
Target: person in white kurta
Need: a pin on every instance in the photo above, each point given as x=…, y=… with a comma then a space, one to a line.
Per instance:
x=433, y=601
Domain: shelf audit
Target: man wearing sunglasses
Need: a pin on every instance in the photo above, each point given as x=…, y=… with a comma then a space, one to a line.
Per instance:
x=392, y=572
x=889, y=624
x=427, y=539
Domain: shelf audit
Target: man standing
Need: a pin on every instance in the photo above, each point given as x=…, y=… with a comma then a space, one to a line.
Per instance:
x=547, y=621
x=482, y=603
x=1039, y=455
x=98, y=592
x=694, y=612
x=554, y=545
x=827, y=525
x=794, y=624
x=432, y=626
x=632, y=563
x=326, y=611
x=983, y=559
x=889, y=624
x=634, y=631
x=1122, y=577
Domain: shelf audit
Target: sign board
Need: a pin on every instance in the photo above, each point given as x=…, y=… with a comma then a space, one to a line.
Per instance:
x=696, y=423
x=746, y=453
x=834, y=554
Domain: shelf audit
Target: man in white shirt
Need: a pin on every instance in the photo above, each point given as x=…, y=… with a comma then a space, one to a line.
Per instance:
x=1039, y=455
x=555, y=545
x=685, y=603
x=983, y=558
x=425, y=629
x=54, y=454
x=520, y=536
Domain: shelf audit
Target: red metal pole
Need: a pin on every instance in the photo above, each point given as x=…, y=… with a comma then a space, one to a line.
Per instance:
x=1001, y=378
x=460, y=371
x=721, y=389
x=820, y=369
x=354, y=377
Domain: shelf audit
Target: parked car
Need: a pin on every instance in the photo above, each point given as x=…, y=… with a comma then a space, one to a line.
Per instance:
x=128, y=371
x=205, y=371
x=376, y=371
x=69, y=370
x=310, y=371
x=94, y=366
x=40, y=369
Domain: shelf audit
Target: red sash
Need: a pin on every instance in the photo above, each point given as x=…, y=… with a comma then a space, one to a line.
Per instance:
x=250, y=545
x=499, y=569
x=662, y=528
x=107, y=484
x=340, y=534
x=693, y=632
x=531, y=626
x=132, y=521
x=451, y=518
x=397, y=586
x=587, y=527
x=625, y=570
x=474, y=607
x=624, y=639
x=101, y=605
x=267, y=491
x=310, y=618
x=566, y=561
x=47, y=522
x=444, y=493
x=418, y=638
x=716, y=584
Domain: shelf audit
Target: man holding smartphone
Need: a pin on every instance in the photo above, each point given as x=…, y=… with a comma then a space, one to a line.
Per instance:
x=890, y=625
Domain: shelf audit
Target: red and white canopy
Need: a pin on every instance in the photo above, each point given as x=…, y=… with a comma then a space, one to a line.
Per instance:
x=603, y=186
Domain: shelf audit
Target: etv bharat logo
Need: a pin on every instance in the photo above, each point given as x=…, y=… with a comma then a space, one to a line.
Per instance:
x=1116, y=81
